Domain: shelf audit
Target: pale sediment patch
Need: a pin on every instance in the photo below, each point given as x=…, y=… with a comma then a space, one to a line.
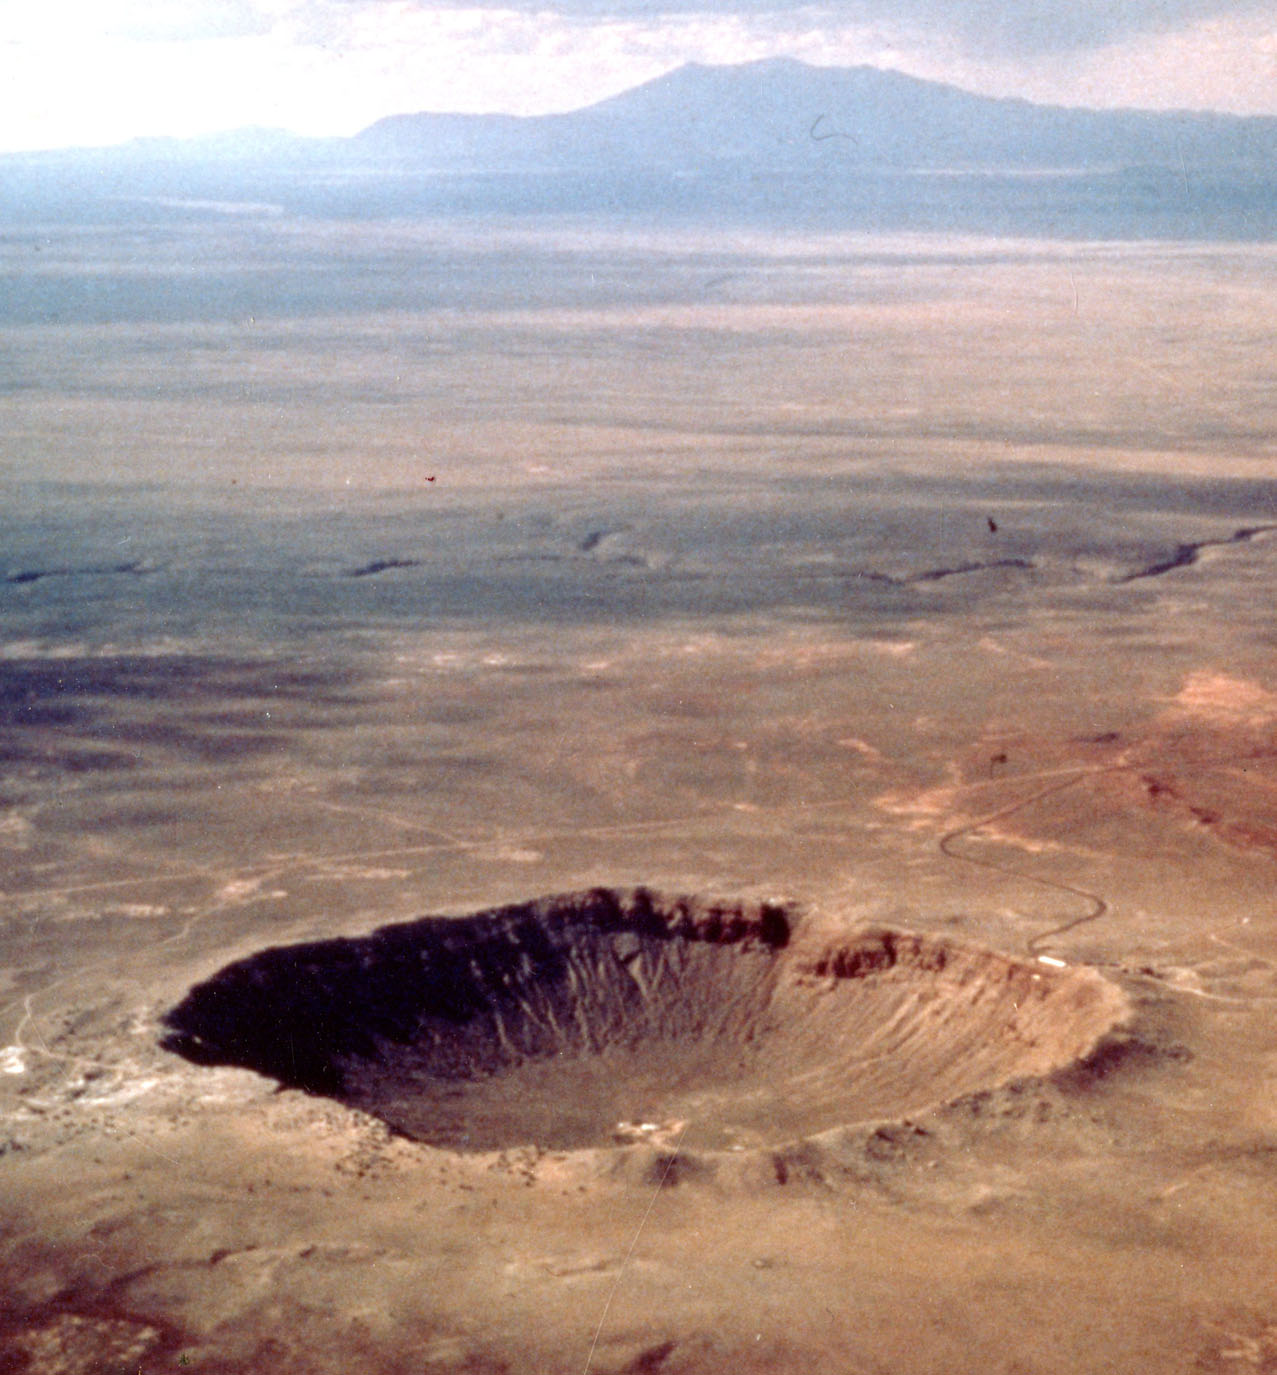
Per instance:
x=1219, y=697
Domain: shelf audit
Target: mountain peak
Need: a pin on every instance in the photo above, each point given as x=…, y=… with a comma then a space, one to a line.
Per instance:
x=775, y=137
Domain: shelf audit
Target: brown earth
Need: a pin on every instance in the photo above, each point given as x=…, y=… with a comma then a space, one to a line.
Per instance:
x=704, y=600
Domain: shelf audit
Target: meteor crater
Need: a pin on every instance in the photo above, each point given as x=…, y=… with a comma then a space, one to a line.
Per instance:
x=579, y=1021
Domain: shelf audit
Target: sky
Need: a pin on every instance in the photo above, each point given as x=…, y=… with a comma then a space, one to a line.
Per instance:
x=86, y=72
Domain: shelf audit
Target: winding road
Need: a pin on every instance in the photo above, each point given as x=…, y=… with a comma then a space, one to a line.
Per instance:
x=1097, y=905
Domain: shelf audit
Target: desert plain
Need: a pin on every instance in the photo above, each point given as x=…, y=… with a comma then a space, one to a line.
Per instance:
x=361, y=571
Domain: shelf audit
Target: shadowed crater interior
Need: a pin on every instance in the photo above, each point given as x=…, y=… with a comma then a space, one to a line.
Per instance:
x=590, y=1019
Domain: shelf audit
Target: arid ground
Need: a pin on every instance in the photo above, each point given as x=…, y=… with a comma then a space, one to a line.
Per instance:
x=920, y=588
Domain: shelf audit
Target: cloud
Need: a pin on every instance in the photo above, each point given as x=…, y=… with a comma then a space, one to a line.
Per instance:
x=185, y=21
x=979, y=27
x=69, y=22
x=1220, y=64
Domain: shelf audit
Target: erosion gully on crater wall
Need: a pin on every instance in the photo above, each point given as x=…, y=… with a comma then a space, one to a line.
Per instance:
x=591, y=1019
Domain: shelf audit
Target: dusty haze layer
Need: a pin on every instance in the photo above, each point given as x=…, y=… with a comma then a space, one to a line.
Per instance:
x=355, y=572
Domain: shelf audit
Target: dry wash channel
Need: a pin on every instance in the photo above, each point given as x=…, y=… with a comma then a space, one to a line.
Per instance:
x=559, y=1022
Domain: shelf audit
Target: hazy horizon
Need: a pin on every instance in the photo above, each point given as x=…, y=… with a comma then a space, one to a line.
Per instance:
x=297, y=131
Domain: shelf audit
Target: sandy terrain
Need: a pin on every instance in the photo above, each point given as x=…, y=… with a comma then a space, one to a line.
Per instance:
x=919, y=591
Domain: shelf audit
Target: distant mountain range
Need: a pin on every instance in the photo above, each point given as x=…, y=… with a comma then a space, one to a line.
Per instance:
x=778, y=114
x=782, y=114
x=774, y=140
